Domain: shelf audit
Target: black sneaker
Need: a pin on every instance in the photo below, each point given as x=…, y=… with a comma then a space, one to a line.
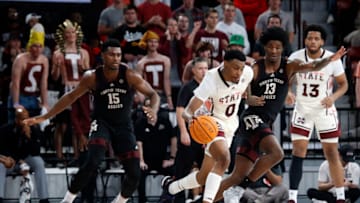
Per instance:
x=166, y=197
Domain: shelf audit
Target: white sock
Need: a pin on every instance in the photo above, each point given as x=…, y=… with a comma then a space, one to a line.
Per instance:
x=120, y=199
x=293, y=195
x=340, y=193
x=188, y=182
x=69, y=197
x=212, y=185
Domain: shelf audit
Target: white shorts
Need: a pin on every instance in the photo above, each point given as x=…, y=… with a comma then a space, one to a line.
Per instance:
x=325, y=122
x=227, y=130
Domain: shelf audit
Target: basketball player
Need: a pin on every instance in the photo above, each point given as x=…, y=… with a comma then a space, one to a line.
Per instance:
x=29, y=77
x=155, y=67
x=266, y=96
x=71, y=61
x=223, y=87
x=113, y=86
x=315, y=108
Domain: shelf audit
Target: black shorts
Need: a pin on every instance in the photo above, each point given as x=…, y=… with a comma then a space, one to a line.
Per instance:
x=121, y=137
x=252, y=130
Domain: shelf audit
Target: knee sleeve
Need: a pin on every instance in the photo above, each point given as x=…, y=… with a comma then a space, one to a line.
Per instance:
x=87, y=170
x=132, y=176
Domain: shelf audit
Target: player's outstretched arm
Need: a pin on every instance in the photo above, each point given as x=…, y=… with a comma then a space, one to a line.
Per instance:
x=85, y=85
x=300, y=66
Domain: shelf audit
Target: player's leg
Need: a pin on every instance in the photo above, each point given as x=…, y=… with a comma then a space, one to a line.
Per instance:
x=301, y=130
x=329, y=133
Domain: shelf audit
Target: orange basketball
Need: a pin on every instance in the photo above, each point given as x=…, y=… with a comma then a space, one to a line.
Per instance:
x=203, y=129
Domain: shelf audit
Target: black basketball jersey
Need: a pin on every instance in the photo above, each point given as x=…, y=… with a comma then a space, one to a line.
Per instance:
x=273, y=87
x=113, y=100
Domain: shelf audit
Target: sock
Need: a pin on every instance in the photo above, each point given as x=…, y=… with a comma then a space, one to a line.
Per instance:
x=246, y=182
x=295, y=172
x=120, y=199
x=212, y=185
x=188, y=182
x=293, y=195
x=69, y=197
x=340, y=193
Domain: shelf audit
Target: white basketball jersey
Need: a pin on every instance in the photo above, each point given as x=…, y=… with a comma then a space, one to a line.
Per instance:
x=225, y=97
x=314, y=86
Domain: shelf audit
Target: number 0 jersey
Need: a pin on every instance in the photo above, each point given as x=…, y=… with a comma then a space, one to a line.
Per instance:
x=225, y=96
x=314, y=86
x=113, y=100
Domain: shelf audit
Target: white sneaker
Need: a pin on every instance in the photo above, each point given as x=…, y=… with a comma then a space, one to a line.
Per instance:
x=233, y=194
x=26, y=187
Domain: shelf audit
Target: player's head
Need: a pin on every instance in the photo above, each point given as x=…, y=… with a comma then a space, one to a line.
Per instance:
x=234, y=63
x=314, y=38
x=274, y=40
x=199, y=68
x=111, y=54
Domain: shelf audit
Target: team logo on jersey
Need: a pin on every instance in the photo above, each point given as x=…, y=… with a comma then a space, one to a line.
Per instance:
x=300, y=120
x=252, y=121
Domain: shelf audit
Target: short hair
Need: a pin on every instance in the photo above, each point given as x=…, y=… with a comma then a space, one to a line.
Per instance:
x=198, y=60
x=130, y=7
x=234, y=54
x=211, y=10
x=315, y=28
x=203, y=46
x=274, y=16
x=274, y=33
x=110, y=43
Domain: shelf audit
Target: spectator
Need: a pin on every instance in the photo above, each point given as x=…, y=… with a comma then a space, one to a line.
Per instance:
x=259, y=51
x=173, y=45
x=12, y=26
x=193, y=14
x=29, y=75
x=209, y=34
x=183, y=27
x=32, y=19
x=268, y=189
x=230, y=27
x=153, y=15
x=71, y=61
x=155, y=68
x=287, y=22
x=154, y=140
x=127, y=34
x=110, y=18
x=238, y=15
x=23, y=143
x=251, y=10
x=326, y=187
x=238, y=42
x=203, y=50
x=11, y=51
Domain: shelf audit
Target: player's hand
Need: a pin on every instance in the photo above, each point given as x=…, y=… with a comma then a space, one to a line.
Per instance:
x=83, y=143
x=255, y=101
x=150, y=114
x=33, y=120
x=340, y=53
x=7, y=161
x=290, y=98
x=327, y=102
